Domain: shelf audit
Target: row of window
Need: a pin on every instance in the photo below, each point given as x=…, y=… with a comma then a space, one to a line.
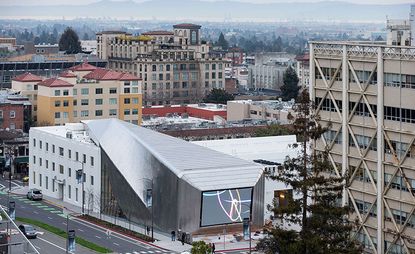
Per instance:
x=85, y=102
x=98, y=112
x=112, y=90
x=12, y=114
x=390, y=113
x=46, y=184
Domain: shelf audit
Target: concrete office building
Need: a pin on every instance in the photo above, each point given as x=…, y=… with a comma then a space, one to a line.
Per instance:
x=187, y=186
x=176, y=66
x=84, y=92
x=367, y=91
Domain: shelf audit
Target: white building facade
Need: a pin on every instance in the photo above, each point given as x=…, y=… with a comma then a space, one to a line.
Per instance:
x=56, y=153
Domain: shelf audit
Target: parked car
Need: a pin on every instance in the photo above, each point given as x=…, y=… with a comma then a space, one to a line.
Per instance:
x=28, y=231
x=34, y=194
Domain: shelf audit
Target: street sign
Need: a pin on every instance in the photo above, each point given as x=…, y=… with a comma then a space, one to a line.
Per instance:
x=12, y=210
x=71, y=240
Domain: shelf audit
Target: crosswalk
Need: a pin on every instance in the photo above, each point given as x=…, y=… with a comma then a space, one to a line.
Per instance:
x=151, y=252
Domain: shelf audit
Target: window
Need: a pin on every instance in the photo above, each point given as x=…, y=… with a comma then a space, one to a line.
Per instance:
x=92, y=180
x=135, y=100
x=40, y=162
x=75, y=102
x=76, y=156
x=69, y=172
x=69, y=153
x=135, y=111
x=65, y=115
x=76, y=194
x=85, y=91
x=47, y=182
x=53, y=166
x=57, y=92
x=113, y=101
x=84, y=113
x=126, y=100
x=65, y=92
x=113, y=90
x=98, y=112
x=47, y=146
x=40, y=180
x=61, y=151
x=57, y=103
x=75, y=92
x=113, y=112
x=65, y=103
x=92, y=160
x=34, y=177
x=98, y=90
x=84, y=102
x=47, y=164
x=126, y=90
x=126, y=112
x=84, y=158
x=213, y=66
x=98, y=101
x=69, y=191
x=61, y=171
x=75, y=113
x=12, y=114
x=57, y=115
x=1, y=114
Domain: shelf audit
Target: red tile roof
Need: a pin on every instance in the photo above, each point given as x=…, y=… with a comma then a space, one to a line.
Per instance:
x=27, y=77
x=158, y=33
x=187, y=26
x=67, y=74
x=83, y=67
x=55, y=82
x=104, y=74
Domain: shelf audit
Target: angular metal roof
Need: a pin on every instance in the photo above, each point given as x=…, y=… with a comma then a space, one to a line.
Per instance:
x=203, y=168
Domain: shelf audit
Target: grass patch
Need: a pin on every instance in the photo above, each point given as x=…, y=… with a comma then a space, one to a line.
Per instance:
x=116, y=228
x=60, y=232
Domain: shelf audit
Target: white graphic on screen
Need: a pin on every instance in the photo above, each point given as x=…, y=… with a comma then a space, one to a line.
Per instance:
x=226, y=206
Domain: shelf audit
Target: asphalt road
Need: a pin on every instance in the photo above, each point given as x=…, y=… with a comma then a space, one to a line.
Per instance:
x=53, y=215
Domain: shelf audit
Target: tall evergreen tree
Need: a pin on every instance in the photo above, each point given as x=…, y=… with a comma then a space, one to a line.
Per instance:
x=218, y=96
x=290, y=88
x=323, y=223
x=69, y=42
x=222, y=42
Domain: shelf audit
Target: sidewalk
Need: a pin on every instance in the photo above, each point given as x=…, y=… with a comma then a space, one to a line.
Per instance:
x=162, y=239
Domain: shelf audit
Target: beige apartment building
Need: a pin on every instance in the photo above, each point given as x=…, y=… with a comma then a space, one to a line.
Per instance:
x=367, y=93
x=177, y=67
x=82, y=93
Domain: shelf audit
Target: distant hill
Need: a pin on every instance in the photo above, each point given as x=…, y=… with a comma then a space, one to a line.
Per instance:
x=204, y=10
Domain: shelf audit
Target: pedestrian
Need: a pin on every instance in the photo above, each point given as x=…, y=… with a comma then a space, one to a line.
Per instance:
x=108, y=233
x=213, y=248
x=173, y=235
x=183, y=237
x=209, y=248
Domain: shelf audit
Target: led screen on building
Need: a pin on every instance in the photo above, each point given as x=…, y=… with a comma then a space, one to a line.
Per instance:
x=225, y=206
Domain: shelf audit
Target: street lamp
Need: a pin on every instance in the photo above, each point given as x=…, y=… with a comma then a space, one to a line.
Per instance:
x=152, y=206
x=81, y=175
x=249, y=226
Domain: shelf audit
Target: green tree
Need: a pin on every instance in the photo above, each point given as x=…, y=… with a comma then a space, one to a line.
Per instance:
x=200, y=247
x=273, y=130
x=323, y=223
x=69, y=42
x=217, y=95
x=290, y=88
x=222, y=42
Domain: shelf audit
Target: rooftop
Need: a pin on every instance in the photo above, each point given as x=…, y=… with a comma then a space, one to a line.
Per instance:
x=187, y=26
x=27, y=77
x=76, y=130
x=67, y=74
x=158, y=33
x=11, y=97
x=272, y=104
x=203, y=168
x=55, y=82
x=83, y=67
x=104, y=74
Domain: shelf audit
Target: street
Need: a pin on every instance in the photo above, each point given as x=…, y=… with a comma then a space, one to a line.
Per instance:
x=52, y=215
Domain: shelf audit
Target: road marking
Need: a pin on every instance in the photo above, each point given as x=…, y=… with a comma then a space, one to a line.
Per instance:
x=35, y=212
x=157, y=251
x=150, y=251
x=143, y=252
x=80, y=230
x=116, y=244
x=64, y=223
x=49, y=209
x=50, y=218
x=57, y=246
x=98, y=237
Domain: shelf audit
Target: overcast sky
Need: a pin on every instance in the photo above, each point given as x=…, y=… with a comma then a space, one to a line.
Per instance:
x=58, y=2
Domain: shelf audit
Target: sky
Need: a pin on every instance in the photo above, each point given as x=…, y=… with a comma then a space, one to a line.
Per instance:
x=75, y=2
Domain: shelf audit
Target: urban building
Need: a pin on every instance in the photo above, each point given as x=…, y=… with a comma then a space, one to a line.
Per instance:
x=89, y=46
x=399, y=32
x=270, y=152
x=15, y=111
x=8, y=43
x=275, y=111
x=206, y=111
x=303, y=70
x=187, y=186
x=45, y=66
x=365, y=92
x=268, y=71
x=176, y=67
x=236, y=54
x=83, y=92
x=14, y=153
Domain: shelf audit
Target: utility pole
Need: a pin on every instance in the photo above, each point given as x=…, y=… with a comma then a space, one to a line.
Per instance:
x=83, y=192
x=152, y=210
